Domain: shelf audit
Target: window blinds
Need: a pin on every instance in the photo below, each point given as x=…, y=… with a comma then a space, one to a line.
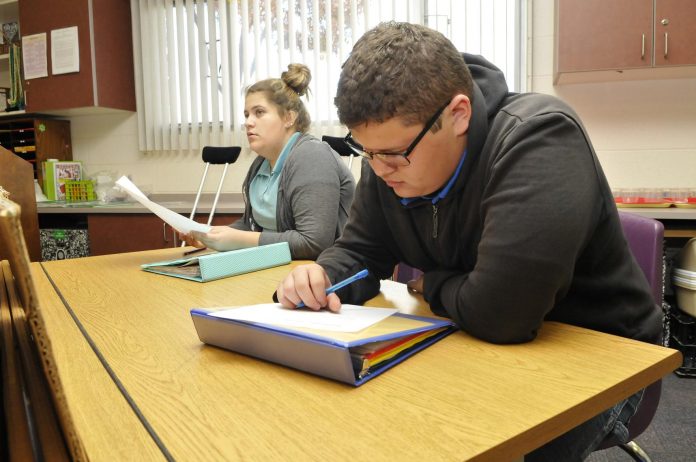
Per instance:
x=194, y=58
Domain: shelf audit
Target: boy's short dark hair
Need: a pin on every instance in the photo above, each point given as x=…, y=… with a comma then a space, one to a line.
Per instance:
x=400, y=69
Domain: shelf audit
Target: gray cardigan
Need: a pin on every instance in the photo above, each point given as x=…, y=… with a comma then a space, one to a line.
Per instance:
x=315, y=192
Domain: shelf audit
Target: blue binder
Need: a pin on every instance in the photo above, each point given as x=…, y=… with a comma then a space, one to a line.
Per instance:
x=327, y=354
x=223, y=264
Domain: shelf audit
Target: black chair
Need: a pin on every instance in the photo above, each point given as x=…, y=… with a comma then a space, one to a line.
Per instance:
x=215, y=155
x=340, y=146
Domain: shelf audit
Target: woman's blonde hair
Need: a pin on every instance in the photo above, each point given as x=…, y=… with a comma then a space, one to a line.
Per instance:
x=286, y=91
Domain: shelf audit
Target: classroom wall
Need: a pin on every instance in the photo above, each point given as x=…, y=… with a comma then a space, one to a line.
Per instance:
x=644, y=131
x=109, y=142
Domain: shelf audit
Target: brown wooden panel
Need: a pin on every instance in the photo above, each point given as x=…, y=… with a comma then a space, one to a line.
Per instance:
x=601, y=35
x=17, y=177
x=45, y=424
x=117, y=233
x=53, y=141
x=15, y=419
x=223, y=219
x=681, y=32
x=65, y=90
x=113, y=46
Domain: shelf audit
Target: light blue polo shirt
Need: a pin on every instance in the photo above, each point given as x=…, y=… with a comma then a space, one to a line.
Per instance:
x=263, y=190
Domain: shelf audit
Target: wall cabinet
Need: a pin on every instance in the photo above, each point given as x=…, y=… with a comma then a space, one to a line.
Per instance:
x=36, y=140
x=596, y=35
x=105, y=77
x=117, y=233
x=675, y=32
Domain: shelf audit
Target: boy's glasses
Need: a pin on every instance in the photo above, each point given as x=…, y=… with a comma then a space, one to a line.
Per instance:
x=395, y=159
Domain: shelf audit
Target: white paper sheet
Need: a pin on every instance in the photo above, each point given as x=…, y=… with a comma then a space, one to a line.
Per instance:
x=176, y=221
x=351, y=318
x=65, y=51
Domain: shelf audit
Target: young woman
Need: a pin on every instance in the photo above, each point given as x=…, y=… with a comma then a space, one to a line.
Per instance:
x=298, y=190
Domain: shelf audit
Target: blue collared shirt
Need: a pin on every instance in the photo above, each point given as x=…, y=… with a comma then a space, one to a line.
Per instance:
x=442, y=192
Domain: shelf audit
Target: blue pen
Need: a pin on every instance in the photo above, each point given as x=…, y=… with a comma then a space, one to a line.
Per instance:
x=357, y=276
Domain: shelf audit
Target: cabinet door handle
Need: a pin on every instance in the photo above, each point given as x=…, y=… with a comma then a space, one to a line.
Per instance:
x=642, y=48
x=164, y=232
x=666, y=48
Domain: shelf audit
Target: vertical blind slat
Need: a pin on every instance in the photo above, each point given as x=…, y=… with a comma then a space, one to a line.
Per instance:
x=172, y=80
x=194, y=84
x=138, y=72
x=268, y=38
x=203, y=71
x=226, y=100
x=280, y=34
x=213, y=83
x=182, y=60
x=292, y=31
x=304, y=36
x=157, y=95
x=236, y=90
x=163, y=78
x=256, y=20
x=315, y=48
x=328, y=97
x=245, y=50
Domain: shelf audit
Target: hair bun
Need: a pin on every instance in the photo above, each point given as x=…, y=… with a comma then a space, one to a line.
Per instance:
x=297, y=78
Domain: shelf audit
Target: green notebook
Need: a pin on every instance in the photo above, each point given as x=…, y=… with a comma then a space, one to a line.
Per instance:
x=220, y=265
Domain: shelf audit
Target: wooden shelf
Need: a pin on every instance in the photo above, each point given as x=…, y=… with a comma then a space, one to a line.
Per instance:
x=12, y=113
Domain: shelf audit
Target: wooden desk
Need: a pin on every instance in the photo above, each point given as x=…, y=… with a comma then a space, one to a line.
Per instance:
x=460, y=399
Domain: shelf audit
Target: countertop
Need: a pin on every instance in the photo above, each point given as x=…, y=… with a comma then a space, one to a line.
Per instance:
x=663, y=213
x=234, y=203
x=180, y=203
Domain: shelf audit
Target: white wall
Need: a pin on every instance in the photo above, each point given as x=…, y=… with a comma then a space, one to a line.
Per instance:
x=109, y=142
x=644, y=131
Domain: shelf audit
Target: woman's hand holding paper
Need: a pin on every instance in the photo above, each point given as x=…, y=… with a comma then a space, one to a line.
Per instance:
x=223, y=238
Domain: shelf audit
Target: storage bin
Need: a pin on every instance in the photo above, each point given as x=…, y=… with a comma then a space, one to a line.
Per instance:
x=687, y=257
x=683, y=327
x=684, y=278
x=79, y=190
x=60, y=244
x=688, y=368
x=685, y=290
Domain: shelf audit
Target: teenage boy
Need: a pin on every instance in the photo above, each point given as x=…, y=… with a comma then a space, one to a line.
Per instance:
x=498, y=197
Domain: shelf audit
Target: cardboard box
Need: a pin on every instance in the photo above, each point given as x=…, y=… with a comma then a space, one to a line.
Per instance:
x=55, y=173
